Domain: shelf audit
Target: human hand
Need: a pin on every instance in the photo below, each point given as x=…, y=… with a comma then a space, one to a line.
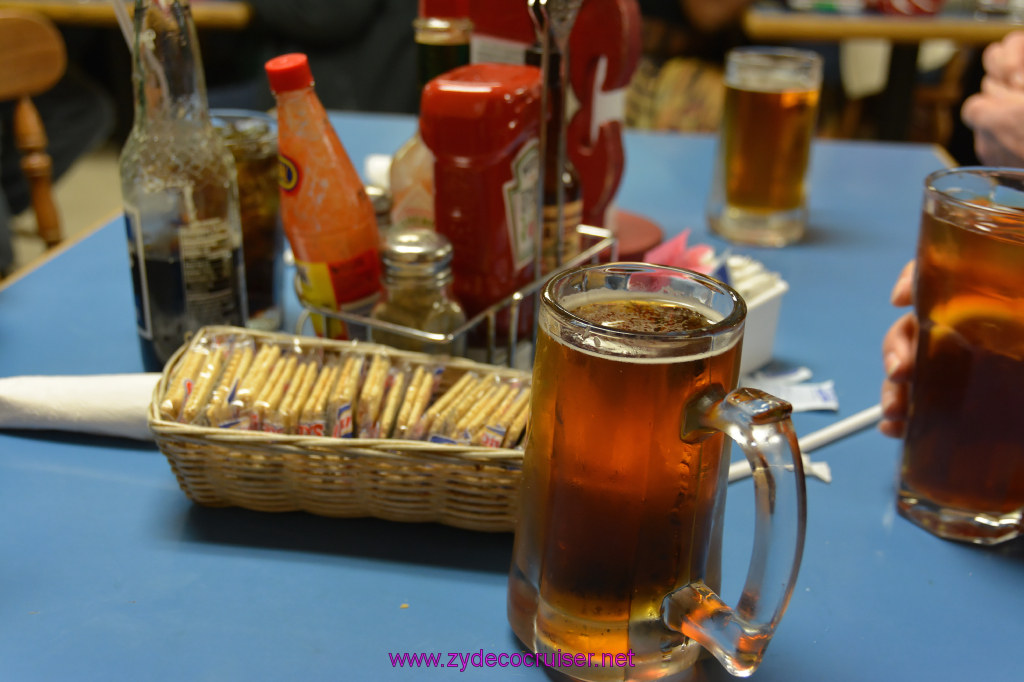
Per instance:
x=996, y=111
x=898, y=352
x=1004, y=61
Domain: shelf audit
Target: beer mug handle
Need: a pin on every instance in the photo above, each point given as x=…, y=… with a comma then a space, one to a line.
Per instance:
x=760, y=424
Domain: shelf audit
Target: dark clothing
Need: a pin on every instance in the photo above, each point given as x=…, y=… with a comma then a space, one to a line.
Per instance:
x=668, y=33
x=361, y=52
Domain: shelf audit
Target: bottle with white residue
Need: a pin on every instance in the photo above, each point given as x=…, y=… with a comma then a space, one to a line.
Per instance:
x=179, y=189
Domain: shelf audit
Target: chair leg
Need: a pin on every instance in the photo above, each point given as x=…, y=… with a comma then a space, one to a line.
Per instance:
x=30, y=138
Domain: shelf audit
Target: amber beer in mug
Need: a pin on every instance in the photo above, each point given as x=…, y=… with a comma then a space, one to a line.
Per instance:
x=962, y=475
x=771, y=107
x=618, y=542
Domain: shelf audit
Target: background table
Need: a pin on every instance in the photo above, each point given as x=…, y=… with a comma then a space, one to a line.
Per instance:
x=108, y=572
x=212, y=14
x=770, y=22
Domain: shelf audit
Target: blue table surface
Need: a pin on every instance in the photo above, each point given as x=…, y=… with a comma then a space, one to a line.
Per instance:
x=108, y=572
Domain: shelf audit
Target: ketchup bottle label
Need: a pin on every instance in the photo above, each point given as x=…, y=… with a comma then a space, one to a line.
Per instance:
x=522, y=194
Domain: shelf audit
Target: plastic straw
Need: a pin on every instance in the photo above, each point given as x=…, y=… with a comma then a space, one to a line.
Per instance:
x=820, y=438
x=841, y=429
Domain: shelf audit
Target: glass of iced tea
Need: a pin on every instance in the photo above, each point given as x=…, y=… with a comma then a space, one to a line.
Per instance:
x=962, y=475
x=759, y=188
x=618, y=540
x=252, y=138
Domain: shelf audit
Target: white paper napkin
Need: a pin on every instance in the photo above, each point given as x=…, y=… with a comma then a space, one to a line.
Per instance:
x=104, y=404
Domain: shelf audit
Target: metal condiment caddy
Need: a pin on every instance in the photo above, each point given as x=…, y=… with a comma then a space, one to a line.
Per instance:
x=509, y=351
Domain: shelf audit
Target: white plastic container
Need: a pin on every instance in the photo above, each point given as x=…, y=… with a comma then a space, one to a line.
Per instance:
x=762, y=291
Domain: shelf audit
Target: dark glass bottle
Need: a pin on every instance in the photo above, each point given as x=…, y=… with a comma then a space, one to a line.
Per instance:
x=180, y=191
x=560, y=240
x=442, y=44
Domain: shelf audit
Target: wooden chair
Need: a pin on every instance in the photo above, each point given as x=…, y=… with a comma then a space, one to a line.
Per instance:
x=937, y=106
x=32, y=59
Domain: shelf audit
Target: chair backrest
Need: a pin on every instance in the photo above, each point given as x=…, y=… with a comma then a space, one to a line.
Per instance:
x=33, y=58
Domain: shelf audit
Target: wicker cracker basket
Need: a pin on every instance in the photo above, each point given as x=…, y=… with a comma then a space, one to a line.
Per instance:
x=465, y=486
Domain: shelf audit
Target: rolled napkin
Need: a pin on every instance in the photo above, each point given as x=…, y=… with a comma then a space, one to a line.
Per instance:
x=103, y=404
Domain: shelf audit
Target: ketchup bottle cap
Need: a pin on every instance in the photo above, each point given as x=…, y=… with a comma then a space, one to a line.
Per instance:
x=289, y=72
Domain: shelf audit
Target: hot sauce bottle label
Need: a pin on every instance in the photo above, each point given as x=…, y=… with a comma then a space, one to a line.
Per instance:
x=331, y=285
x=287, y=173
x=316, y=288
x=521, y=193
x=355, y=278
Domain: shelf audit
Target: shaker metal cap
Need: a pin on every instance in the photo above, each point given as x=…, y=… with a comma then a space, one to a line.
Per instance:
x=415, y=252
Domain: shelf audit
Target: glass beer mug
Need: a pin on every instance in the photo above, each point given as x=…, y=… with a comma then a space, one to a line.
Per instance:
x=759, y=186
x=962, y=472
x=618, y=542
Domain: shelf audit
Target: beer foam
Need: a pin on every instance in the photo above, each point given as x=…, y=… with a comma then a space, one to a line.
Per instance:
x=648, y=317
x=778, y=81
x=662, y=343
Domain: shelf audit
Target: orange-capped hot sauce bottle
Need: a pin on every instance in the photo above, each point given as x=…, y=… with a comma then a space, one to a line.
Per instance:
x=327, y=216
x=482, y=124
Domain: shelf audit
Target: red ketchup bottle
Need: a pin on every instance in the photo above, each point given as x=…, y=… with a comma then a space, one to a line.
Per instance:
x=482, y=124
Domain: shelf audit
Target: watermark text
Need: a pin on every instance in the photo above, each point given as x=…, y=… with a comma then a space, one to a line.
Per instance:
x=462, y=660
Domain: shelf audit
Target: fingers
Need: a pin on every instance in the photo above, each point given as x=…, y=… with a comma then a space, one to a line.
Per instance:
x=992, y=153
x=902, y=291
x=995, y=101
x=895, y=402
x=898, y=349
x=995, y=116
x=981, y=111
x=997, y=88
x=1004, y=60
x=995, y=112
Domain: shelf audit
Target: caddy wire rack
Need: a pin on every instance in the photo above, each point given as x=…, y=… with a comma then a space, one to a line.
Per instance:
x=511, y=350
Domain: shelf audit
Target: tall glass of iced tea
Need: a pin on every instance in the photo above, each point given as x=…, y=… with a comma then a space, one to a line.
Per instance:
x=251, y=137
x=758, y=194
x=618, y=542
x=962, y=475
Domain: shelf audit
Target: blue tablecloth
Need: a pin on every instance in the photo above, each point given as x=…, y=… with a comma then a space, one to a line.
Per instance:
x=108, y=572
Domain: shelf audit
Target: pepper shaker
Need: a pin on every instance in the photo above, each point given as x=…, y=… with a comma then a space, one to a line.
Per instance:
x=417, y=291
